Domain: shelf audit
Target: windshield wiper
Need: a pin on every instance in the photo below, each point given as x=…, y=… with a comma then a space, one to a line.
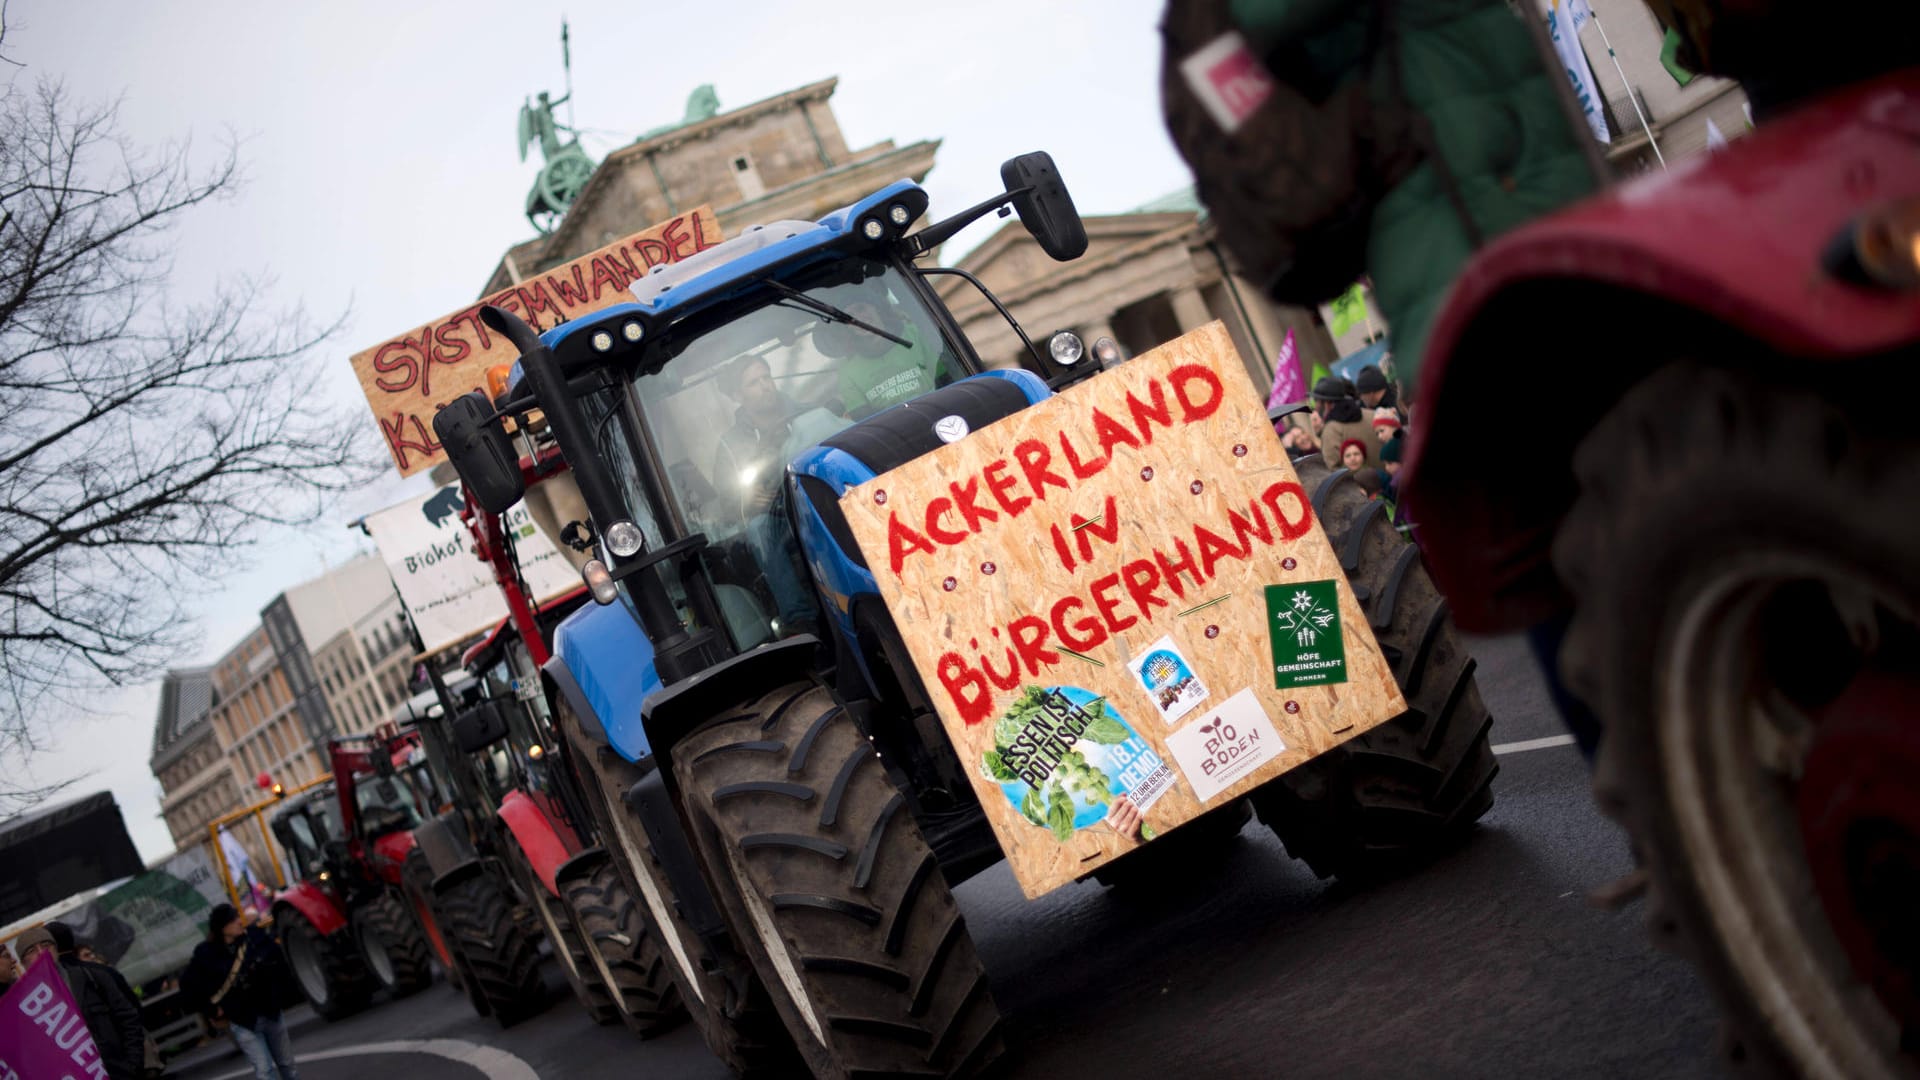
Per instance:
x=829, y=312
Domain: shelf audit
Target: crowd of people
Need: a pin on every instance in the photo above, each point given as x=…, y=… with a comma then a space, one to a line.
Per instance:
x=1357, y=425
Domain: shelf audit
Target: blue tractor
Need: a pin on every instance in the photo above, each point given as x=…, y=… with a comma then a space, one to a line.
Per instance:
x=752, y=737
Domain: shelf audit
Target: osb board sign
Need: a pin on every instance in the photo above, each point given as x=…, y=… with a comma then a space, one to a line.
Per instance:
x=409, y=377
x=1123, y=607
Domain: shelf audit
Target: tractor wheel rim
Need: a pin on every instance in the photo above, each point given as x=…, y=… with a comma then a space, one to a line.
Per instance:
x=659, y=918
x=760, y=916
x=378, y=960
x=607, y=977
x=305, y=956
x=544, y=905
x=1734, y=737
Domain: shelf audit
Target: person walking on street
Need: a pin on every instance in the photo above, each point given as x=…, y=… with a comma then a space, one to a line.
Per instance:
x=9, y=969
x=113, y=1019
x=238, y=977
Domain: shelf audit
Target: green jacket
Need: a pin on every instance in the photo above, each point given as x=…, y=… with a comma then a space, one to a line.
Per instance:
x=1455, y=135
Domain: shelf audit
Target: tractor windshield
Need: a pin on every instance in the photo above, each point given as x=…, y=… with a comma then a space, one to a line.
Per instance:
x=745, y=391
x=386, y=804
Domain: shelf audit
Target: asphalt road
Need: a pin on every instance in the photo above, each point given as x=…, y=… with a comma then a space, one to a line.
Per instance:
x=1489, y=963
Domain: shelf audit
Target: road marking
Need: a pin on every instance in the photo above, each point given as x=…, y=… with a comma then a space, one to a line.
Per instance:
x=493, y=1062
x=1525, y=745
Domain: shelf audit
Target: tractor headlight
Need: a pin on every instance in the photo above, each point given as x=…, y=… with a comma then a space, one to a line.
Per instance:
x=1886, y=244
x=899, y=215
x=1067, y=348
x=1107, y=351
x=624, y=538
x=601, y=341
x=632, y=331
x=872, y=229
x=600, y=582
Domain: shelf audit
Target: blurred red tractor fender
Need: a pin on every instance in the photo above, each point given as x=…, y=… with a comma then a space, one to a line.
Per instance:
x=1549, y=325
x=318, y=908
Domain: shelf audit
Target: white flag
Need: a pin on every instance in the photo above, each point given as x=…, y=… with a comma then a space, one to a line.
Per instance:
x=1716, y=142
x=236, y=856
x=1563, y=26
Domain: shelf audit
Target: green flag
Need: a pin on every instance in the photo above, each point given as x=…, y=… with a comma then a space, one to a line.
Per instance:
x=1670, y=58
x=1348, y=308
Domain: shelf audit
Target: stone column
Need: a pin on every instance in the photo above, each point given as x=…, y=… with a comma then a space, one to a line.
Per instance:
x=1189, y=308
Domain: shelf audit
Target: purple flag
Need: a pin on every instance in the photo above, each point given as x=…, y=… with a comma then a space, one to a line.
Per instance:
x=1288, y=387
x=42, y=1032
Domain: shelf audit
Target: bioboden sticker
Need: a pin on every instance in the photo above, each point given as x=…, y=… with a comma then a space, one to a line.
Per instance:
x=1225, y=745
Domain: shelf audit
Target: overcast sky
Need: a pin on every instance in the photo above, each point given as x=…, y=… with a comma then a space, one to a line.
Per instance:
x=379, y=143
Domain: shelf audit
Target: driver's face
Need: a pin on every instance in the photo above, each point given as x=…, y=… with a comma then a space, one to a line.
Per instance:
x=756, y=387
x=864, y=342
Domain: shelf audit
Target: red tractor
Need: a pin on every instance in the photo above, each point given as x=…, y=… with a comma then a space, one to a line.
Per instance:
x=349, y=923
x=1713, y=540
x=526, y=826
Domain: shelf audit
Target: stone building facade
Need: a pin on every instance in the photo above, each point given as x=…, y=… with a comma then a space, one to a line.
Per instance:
x=1146, y=278
x=270, y=703
x=254, y=717
x=196, y=782
x=784, y=157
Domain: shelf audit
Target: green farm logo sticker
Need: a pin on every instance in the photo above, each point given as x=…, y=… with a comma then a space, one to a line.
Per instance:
x=1303, y=622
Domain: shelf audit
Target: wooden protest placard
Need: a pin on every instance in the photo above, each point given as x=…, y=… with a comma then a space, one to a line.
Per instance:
x=409, y=377
x=1123, y=607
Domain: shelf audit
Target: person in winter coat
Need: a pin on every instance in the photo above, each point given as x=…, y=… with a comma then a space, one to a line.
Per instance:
x=1341, y=421
x=1375, y=391
x=113, y=1019
x=238, y=976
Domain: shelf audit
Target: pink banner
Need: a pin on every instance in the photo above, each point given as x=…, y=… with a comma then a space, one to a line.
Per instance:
x=42, y=1033
x=1288, y=386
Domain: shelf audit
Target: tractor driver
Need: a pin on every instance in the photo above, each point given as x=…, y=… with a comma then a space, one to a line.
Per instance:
x=769, y=430
x=876, y=372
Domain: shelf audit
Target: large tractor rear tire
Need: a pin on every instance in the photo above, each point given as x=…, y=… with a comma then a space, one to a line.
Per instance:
x=736, y=1019
x=499, y=955
x=623, y=951
x=329, y=968
x=1747, y=628
x=1408, y=788
x=832, y=891
x=388, y=933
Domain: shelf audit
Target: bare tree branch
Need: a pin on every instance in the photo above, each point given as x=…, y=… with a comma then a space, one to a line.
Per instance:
x=145, y=441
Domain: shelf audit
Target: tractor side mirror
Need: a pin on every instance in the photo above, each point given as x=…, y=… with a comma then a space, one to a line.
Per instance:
x=1045, y=208
x=482, y=453
x=479, y=727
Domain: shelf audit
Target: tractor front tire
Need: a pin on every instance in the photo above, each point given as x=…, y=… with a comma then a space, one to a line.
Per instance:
x=620, y=947
x=500, y=957
x=332, y=975
x=1405, y=790
x=832, y=891
x=395, y=933
x=1747, y=629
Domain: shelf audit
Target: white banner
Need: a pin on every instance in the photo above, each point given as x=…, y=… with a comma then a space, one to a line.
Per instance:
x=1564, y=20
x=449, y=592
